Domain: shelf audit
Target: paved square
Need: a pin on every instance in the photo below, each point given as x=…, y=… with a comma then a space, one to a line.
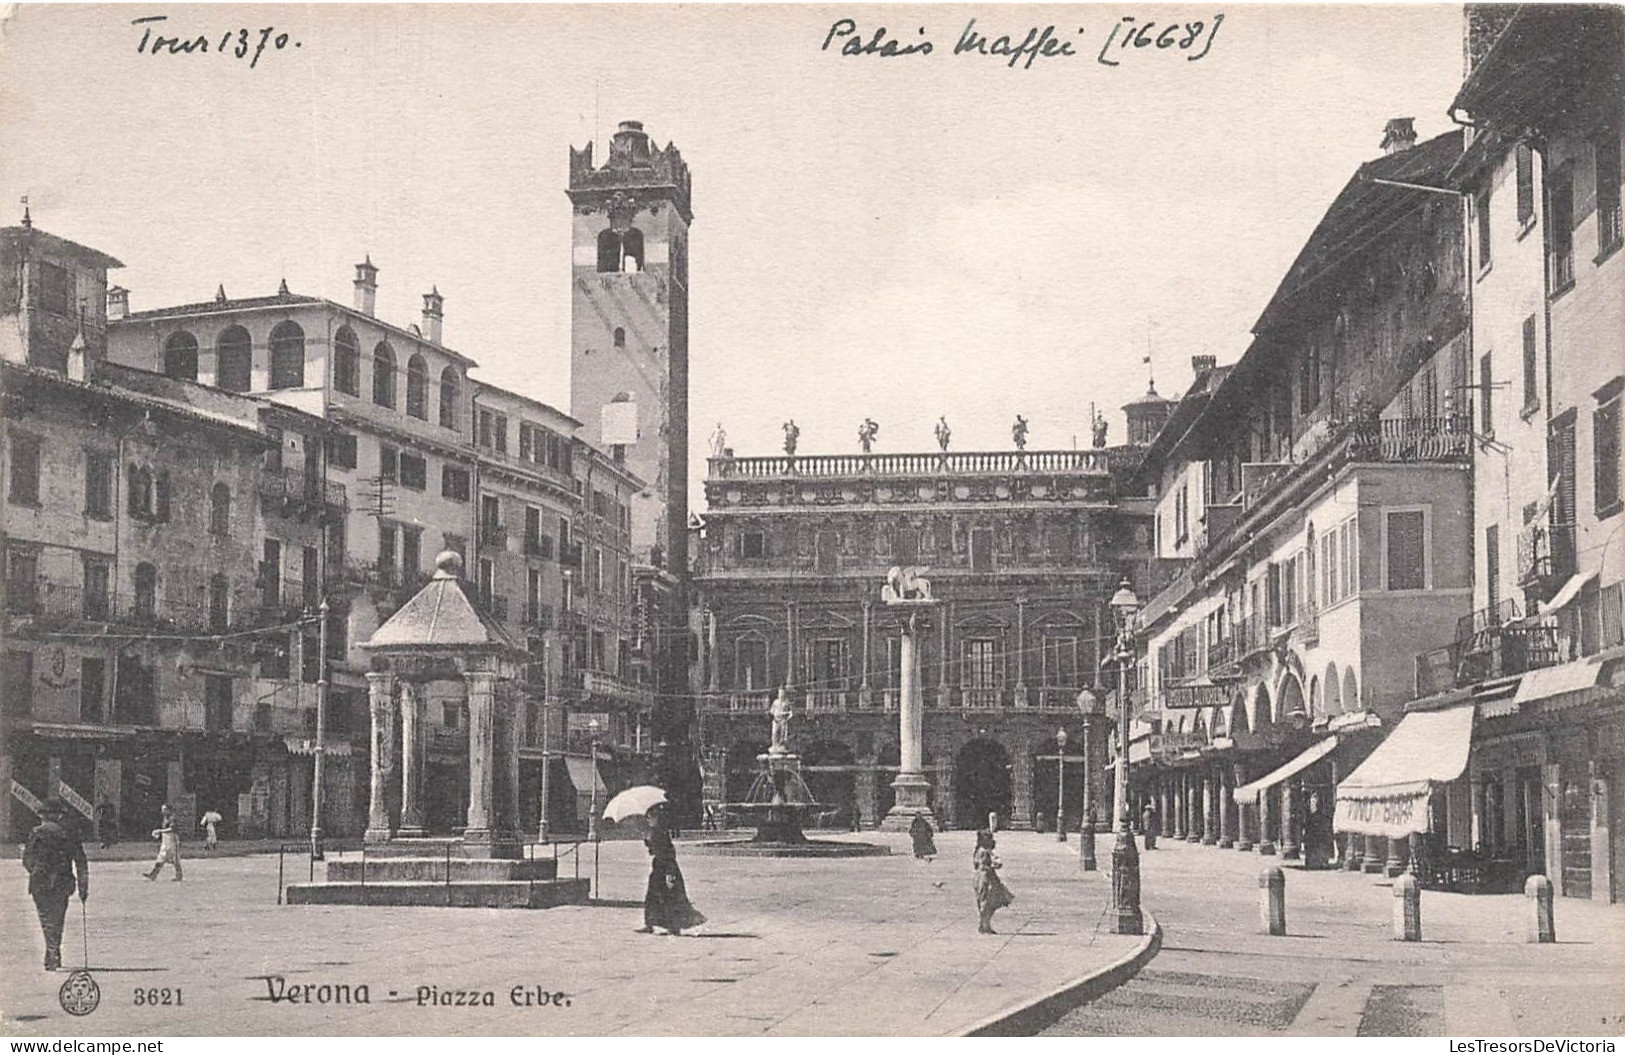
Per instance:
x=864, y=946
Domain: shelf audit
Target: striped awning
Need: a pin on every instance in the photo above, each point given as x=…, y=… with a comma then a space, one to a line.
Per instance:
x=1248, y=794
x=1388, y=793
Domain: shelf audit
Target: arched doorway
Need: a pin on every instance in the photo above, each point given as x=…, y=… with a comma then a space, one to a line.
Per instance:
x=982, y=783
x=826, y=767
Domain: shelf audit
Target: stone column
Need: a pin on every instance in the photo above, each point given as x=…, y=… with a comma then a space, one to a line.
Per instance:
x=1398, y=857
x=865, y=698
x=1227, y=807
x=944, y=690
x=478, y=838
x=1511, y=792
x=713, y=674
x=383, y=756
x=911, y=786
x=1178, y=816
x=513, y=710
x=789, y=644
x=1166, y=807
x=1244, y=812
x=1289, y=819
x=411, y=761
x=1266, y=822
x=1021, y=652
x=1210, y=809
x=1375, y=852
x=1193, y=806
x=1022, y=785
x=864, y=791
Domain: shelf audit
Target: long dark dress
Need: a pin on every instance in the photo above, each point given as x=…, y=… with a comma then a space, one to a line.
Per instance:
x=919, y=830
x=665, y=904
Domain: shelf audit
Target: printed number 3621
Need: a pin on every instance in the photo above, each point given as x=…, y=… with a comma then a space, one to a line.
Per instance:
x=158, y=998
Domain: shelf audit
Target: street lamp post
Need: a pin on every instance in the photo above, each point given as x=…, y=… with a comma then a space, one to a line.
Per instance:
x=318, y=769
x=592, y=812
x=542, y=803
x=1086, y=830
x=1125, y=858
x=1060, y=785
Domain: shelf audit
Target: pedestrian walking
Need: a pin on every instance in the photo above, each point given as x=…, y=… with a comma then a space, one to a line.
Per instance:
x=107, y=824
x=991, y=893
x=919, y=830
x=169, y=845
x=211, y=837
x=1151, y=825
x=665, y=903
x=53, y=856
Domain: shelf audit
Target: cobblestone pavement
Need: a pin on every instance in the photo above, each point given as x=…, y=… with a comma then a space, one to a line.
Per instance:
x=861, y=946
x=1338, y=972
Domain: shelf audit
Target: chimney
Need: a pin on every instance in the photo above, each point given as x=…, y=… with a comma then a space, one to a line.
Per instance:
x=1201, y=364
x=1398, y=134
x=366, y=287
x=118, y=302
x=433, y=314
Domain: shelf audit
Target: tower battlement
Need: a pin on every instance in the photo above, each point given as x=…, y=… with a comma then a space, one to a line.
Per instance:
x=635, y=164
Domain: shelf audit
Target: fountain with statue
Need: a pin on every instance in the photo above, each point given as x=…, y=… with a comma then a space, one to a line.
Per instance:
x=778, y=803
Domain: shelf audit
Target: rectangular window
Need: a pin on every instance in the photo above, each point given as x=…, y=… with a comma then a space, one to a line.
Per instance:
x=1560, y=228
x=1486, y=389
x=981, y=550
x=310, y=658
x=414, y=471
x=1061, y=662
x=1481, y=207
x=533, y=596
x=1525, y=159
x=1405, y=549
x=981, y=672
x=1531, y=380
x=829, y=663
x=389, y=463
x=1605, y=437
x=98, y=587
x=1492, y=566
x=527, y=442
x=341, y=450
x=55, y=288
x=311, y=576
x=386, y=554
x=216, y=703
x=487, y=577
x=411, y=554
x=826, y=552
x=533, y=531
x=752, y=545
x=22, y=581
x=92, y=689
x=98, y=485
x=490, y=517
x=454, y=483
x=1609, y=232
x=1272, y=594
x=25, y=470
x=499, y=433
x=750, y=664
x=18, y=683
x=271, y=572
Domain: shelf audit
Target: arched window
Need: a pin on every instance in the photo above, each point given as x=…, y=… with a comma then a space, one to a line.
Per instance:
x=448, y=397
x=146, y=591
x=346, y=362
x=180, y=356
x=287, y=356
x=417, y=388
x=620, y=337
x=383, y=375
x=620, y=251
x=220, y=510
x=219, y=602
x=234, y=360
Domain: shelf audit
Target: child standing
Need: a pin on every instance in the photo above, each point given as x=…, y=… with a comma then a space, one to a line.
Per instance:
x=169, y=845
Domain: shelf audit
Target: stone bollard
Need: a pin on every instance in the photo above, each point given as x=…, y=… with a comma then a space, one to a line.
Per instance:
x=1272, y=901
x=1542, y=926
x=1407, y=908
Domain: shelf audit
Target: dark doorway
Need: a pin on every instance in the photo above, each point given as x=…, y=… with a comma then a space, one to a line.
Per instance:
x=833, y=789
x=982, y=783
x=445, y=797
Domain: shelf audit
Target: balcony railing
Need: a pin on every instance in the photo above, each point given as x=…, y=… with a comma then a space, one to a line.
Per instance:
x=1546, y=558
x=1487, y=654
x=923, y=464
x=825, y=701
x=495, y=535
x=608, y=686
x=1410, y=439
x=56, y=605
x=981, y=699
x=296, y=491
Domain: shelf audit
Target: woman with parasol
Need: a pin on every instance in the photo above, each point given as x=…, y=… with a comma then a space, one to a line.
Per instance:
x=665, y=903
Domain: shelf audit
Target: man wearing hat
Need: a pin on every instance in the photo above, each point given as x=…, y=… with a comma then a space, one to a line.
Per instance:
x=53, y=856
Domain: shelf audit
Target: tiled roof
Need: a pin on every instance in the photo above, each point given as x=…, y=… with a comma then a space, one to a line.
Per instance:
x=239, y=304
x=443, y=617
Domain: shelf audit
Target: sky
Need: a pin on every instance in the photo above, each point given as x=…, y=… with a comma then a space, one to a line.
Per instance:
x=900, y=238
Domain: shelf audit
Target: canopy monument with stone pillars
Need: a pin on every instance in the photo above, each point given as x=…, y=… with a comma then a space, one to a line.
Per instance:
x=444, y=634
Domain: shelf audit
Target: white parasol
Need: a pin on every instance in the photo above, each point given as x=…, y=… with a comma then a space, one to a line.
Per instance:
x=634, y=802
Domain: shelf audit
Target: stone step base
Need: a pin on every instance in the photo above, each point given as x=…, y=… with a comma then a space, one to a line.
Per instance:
x=376, y=869
x=545, y=893
x=427, y=846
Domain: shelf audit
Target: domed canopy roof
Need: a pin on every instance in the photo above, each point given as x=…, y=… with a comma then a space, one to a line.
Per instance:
x=443, y=617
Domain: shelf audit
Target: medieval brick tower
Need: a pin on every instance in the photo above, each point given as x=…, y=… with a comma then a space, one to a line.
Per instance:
x=629, y=327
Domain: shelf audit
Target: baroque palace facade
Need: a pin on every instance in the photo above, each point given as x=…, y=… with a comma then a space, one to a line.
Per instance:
x=1023, y=549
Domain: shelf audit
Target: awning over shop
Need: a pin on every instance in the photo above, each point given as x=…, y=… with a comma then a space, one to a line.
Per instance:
x=1552, y=681
x=1139, y=751
x=1569, y=591
x=1247, y=794
x=583, y=774
x=1388, y=793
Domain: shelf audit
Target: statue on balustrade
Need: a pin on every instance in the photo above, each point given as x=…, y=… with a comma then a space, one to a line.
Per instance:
x=1018, y=433
x=719, y=442
x=792, y=434
x=943, y=433
x=867, y=433
x=1099, y=427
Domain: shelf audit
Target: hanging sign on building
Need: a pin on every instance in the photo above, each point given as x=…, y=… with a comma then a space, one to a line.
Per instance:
x=76, y=800
x=24, y=796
